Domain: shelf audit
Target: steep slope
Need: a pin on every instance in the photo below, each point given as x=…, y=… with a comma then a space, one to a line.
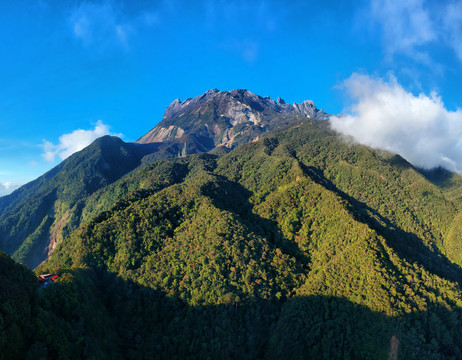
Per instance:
x=32, y=217
x=89, y=314
x=302, y=220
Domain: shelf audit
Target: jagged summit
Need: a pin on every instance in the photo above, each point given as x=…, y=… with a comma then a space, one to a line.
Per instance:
x=244, y=96
x=225, y=118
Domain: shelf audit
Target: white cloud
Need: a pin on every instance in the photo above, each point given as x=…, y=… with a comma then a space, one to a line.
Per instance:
x=387, y=117
x=247, y=49
x=242, y=23
x=99, y=25
x=412, y=27
x=73, y=142
x=406, y=25
x=94, y=23
x=452, y=25
x=261, y=15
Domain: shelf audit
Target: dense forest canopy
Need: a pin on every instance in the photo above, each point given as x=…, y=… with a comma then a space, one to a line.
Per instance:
x=300, y=245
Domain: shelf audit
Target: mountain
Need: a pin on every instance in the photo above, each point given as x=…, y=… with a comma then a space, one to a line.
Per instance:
x=300, y=244
x=34, y=218
x=309, y=238
x=224, y=120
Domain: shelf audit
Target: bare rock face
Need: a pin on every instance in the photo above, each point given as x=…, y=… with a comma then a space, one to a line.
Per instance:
x=162, y=134
x=308, y=109
x=227, y=119
x=173, y=108
x=177, y=107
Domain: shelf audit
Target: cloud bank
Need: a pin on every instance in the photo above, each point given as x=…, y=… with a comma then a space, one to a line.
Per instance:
x=387, y=117
x=73, y=142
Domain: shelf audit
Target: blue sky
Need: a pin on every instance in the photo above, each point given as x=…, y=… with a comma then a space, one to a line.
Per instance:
x=74, y=70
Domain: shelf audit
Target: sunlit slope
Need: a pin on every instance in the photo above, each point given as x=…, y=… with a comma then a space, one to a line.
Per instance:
x=286, y=247
x=301, y=220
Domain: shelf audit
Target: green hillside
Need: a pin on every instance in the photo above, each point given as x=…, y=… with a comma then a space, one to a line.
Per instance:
x=38, y=215
x=299, y=245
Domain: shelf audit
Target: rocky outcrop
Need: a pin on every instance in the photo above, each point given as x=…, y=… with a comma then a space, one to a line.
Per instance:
x=162, y=134
x=308, y=109
x=225, y=118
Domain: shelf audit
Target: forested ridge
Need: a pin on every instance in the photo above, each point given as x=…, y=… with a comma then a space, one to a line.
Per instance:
x=39, y=214
x=300, y=245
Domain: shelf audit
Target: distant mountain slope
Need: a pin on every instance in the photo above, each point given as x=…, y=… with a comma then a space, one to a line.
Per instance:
x=301, y=244
x=32, y=218
x=38, y=215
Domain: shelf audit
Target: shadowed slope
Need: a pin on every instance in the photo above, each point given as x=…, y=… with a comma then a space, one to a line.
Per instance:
x=33, y=216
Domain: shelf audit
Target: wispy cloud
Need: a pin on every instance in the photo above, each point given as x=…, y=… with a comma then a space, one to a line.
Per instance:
x=98, y=24
x=409, y=27
x=247, y=49
x=73, y=142
x=452, y=26
x=262, y=15
x=406, y=26
x=106, y=24
x=243, y=24
x=387, y=117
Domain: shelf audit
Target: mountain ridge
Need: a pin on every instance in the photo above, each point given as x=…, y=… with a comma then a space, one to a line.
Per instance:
x=56, y=217
x=296, y=244
x=221, y=113
x=299, y=219
x=37, y=215
x=30, y=213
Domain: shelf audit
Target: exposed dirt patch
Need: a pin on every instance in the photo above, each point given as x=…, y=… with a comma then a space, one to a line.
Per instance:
x=56, y=230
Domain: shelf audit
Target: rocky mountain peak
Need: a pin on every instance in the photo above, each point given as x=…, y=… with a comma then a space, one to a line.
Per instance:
x=255, y=103
x=226, y=118
x=175, y=104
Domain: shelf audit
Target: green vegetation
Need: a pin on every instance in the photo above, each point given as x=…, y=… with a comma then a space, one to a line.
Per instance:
x=296, y=246
x=37, y=215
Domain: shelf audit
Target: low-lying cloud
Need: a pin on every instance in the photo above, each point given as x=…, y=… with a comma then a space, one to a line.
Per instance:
x=73, y=142
x=387, y=117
